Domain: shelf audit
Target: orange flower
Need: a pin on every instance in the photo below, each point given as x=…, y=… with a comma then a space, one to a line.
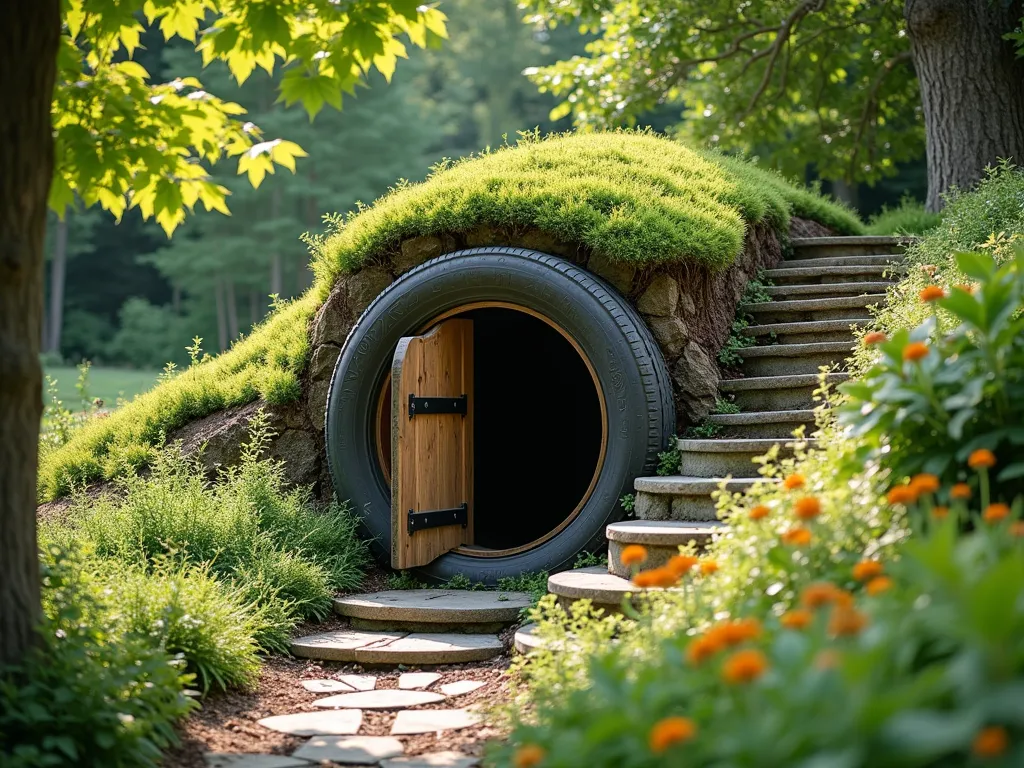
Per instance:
x=940, y=513
x=866, y=570
x=670, y=731
x=818, y=594
x=807, y=508
x=991, y=742
x=793, y=482
x=1017, y=528
x=729, y=633
x=996, y=513
x=798, y=618
x=924, y=483
x=960, y=491
x=759, y=512
x=902, y=494
x=528, y=755
x=846, y=621
x=707, y=567
x=701, y=648
x=915, y=350
x=875, y=337
x=646, y=579
x=982, y=457
x=966, y=288
x=797, y=537
x=745, y=666
x=680, y=565
x=632, y=555
x=878, y=585
x=932, y=293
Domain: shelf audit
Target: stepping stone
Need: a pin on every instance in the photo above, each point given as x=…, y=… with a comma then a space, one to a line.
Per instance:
x=339, y=722
x=412, y=680
x=326, y=686
x=661, y=539
x=433, y=720
x=526, y=642
x=360, y=682
x=603, y=589
x=461, y=687
x=397, y=647
x=434, y=760
x=386, y=699
x=434, y=610
x=350, y=750
x=778, y=425
x=803, y=333
x=240, y=760
x=716, y=458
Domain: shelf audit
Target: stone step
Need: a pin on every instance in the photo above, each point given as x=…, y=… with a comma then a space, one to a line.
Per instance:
x=891, y=260
x=787, y=274
x=684, y=497
x=764, y=424
x=814, y=247
x=433, y=610
x=826, y=290
x=394, y=648
x=841, y=308
x=728, y=456
x=603, y=589
x=526, y=640
x=811, y=332
x=785, y=359
x=661, y=540
x=777, y=393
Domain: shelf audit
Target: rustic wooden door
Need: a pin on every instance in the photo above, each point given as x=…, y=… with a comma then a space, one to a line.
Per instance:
x=432, y=444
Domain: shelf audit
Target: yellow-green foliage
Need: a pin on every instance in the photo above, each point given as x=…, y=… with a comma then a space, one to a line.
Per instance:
x=265, y=365
x=632, y=196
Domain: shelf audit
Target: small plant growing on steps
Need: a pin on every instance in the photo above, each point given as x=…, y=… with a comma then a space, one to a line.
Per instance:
x=755, y=292
x=668, y=461
x=724, y=406
x=628, y=502
x=703, y=431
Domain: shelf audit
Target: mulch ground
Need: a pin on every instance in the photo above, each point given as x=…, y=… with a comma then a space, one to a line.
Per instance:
x=227, y=722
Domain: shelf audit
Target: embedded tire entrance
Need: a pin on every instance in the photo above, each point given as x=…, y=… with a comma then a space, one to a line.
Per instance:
x=571, y=401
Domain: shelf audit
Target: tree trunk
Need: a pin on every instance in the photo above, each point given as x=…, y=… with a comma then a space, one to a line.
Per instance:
x=222, y=317
x=232, y=311
x=58, y=269
x=972, y=87
x=29, y=36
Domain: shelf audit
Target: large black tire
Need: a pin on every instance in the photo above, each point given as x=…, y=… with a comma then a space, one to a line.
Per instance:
x=630, y=371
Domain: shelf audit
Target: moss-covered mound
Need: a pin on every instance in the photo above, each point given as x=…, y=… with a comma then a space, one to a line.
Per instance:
x=634, y=197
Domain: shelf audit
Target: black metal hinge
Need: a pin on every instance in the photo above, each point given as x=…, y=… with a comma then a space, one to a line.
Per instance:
x=422, y=406
x=420, y=521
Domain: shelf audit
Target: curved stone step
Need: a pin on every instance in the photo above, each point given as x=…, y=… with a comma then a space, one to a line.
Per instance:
x=812, y=247
x=683, y=497
x=777, y=393
x=393, y=648
x=526, y=641
x=661, y=540
x=827, y=290
x=785, y=274
x=841, y=308
x=785, y=359
x=891, y=260
x=812, y=332
x=764, y=424
x=433, y=610
x=603, y=589
x=728, y=456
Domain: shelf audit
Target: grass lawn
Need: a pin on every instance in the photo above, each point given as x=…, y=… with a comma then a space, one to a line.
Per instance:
x=105, y=383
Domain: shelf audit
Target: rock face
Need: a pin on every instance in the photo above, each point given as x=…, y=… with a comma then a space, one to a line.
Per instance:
x=688, y=309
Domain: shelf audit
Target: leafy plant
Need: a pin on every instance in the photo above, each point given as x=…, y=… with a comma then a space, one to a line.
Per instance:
x=724, y=406
x=730, y=355
x=908, y=218
x=590, y=560
x=669, y=461
x=534, y=583
x=704, y=430
x=89, y=694
x=628, y=502
x=934, y=395
x=404, y=580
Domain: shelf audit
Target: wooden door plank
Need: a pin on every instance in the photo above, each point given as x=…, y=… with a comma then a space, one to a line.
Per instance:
x=431, y=454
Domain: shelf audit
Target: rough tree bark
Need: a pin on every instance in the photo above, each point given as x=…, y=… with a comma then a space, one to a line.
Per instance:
x=58, y=270
x=972, y=87
x=29, y=36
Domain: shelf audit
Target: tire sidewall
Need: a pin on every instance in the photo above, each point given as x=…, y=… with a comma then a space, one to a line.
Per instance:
x=599, y=321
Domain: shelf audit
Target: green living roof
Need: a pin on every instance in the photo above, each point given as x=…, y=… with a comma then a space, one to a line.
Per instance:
x=632, y=196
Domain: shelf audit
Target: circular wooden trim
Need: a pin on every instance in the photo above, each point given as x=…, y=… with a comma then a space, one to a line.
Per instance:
x=478, y=552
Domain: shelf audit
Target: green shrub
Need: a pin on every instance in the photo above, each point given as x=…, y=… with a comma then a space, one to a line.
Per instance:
x=937, y=393
x=90, y=695
x=282, y=554
x=908, y=218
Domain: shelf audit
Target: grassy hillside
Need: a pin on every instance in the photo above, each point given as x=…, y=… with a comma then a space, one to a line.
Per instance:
x=635, y=197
